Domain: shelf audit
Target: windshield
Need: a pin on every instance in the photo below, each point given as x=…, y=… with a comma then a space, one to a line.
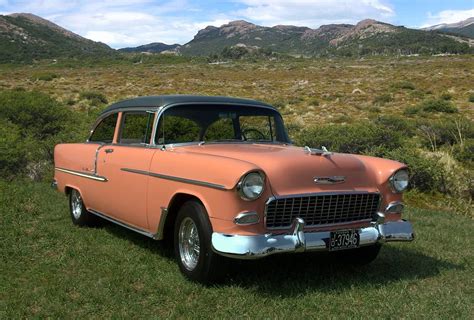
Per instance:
x=220, y=123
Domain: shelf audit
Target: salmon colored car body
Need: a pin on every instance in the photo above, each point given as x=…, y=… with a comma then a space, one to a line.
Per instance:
x=219, y=178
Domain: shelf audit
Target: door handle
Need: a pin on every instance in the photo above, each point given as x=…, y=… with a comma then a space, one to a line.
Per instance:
x=109, y=150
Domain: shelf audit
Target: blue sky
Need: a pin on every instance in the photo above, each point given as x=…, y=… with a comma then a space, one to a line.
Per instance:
x=121, y=23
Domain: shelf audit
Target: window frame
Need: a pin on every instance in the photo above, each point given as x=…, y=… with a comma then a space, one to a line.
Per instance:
x=99, y=122
x=151, y=123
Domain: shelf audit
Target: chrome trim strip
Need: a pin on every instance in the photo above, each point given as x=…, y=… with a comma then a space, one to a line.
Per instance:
x=123, y=224
x=161, y=226
x=178, y=179
x=296, y=240
x=83, y=175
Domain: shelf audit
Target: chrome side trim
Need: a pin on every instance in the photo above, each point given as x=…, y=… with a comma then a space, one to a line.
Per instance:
x=82, y=174
x=161, y=226
x=296, y=240
x=123, y=224
x=178, y=179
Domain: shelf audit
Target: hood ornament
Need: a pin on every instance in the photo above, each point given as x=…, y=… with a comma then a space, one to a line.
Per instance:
x=329, y=180
x=320, y=152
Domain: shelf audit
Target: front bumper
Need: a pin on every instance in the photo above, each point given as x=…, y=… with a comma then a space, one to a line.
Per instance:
x=254, y=247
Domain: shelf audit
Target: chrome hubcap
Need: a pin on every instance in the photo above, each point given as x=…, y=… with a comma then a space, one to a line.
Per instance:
x=188, y=241
x=76, y=204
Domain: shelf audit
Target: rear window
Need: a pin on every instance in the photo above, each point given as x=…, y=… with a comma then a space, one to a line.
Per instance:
x=104, y=132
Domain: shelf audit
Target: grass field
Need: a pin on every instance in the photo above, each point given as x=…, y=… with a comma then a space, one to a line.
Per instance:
x=306, y=91
x=49, y=268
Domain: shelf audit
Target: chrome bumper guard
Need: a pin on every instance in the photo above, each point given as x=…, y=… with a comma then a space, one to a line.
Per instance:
x=254, y=247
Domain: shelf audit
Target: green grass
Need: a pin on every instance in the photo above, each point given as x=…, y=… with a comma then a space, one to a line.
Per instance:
x=49, y=268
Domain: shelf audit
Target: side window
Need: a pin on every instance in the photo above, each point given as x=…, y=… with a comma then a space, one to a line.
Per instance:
x=104, y=132
x=136, y=127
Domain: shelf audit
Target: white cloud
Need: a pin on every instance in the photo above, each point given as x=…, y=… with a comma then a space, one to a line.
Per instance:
x=313, y=13
x=448, y=16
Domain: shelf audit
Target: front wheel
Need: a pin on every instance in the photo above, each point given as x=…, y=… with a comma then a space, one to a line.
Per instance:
x=193, y=247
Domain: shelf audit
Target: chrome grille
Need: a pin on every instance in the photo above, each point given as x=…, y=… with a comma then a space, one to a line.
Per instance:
x=321, y=209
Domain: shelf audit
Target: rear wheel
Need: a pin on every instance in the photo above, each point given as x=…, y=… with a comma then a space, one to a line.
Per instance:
x=193, y=247
x=79, y=214
x=360, y=256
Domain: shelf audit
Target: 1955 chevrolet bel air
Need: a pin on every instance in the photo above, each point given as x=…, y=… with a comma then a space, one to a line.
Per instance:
x=218, y=178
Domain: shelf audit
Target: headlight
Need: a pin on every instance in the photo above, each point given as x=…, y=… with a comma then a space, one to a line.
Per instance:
x=399, y=180
x=251, y=186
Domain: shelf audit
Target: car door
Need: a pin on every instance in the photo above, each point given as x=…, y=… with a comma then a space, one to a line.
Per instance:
x=125, y=164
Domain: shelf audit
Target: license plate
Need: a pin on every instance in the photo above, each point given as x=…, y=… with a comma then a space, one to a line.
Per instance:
x=343, y=239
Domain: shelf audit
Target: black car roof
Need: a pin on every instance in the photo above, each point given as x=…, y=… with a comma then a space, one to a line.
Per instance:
x=166, y=100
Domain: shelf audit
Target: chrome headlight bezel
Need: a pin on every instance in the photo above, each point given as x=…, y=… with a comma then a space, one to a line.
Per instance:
x=242, y=185
x=396, y=177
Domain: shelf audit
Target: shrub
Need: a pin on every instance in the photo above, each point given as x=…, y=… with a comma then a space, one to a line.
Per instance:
x=471, y=97
x=438, y=105
x=32, y=123
x=12, y=157
x=402, y=125
x=432, y=105
x=411, y=110
x=426, y=174
x=314, y=102
x=47, y=76
x=383, y=99
x=362, y=138
x=95, y=98
x=464, y=153
x=406, y=85
x=446, y=96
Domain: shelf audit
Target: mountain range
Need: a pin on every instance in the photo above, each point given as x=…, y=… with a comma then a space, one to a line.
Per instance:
x=367, y=37
x=155, y=47
x=463, y=28
x=25, y=37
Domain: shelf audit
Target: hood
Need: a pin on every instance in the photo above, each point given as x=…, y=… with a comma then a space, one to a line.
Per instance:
x=291, y=170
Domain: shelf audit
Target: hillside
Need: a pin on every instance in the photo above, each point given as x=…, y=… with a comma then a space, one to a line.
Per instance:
x=155, y=47
x=368, y=37
x=464, y=28
x=26, y=37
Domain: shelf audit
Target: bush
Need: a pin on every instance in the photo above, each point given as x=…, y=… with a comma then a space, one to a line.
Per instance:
x=362, y=138
x=432, y=105
x=95, y=98
x=407, y=85
x=438, y=105
x=446, y=96
x=426, y=174
x=464, y=153
x=48, y=76
x=402, y=125
x=383, y=99
x=32, y=123
x=12, y=157
x=471, y=97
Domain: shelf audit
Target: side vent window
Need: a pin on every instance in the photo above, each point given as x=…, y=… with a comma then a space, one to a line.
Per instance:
x=136, y=128
x=104, y=132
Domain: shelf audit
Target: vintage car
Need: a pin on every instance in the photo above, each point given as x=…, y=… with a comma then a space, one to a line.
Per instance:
x=218, y=178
